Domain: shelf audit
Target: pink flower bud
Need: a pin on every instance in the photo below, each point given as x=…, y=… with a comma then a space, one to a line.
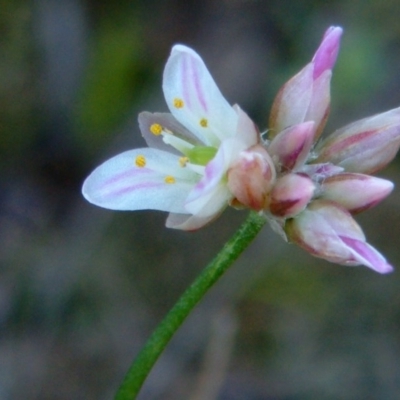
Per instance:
x=306, y=97
x=251, y=177
x=323, y=61
x=328, y=231
x=355, y=192
x=291, y=147
x=364, y=146
x=290, y=195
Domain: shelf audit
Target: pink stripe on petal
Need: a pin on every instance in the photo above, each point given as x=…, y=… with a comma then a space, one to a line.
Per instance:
x=187, y=222
x=367, y=255
x=131, y=173
x=197, y=85
x=338, y=147
x=129, y=189
x=213, y=173
x=186, y=81
x=214, y=169
x=325, y=56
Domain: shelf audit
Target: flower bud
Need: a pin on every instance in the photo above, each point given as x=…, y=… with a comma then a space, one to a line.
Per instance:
x=290, y=195
x=306, y=96
x=328, y=231
x=251, y=177
x=364, y=146
x=355, y=192
x=290, y=148
x=323, y=61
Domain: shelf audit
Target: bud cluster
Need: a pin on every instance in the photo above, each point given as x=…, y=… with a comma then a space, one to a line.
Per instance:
x=309, y=191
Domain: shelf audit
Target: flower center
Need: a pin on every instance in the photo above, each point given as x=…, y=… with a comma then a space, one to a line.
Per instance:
x=201, y=155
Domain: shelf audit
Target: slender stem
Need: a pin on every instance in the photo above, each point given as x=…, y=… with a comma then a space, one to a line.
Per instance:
x=155, y=345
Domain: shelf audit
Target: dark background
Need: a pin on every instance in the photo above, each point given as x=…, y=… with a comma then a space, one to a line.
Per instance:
x=82, y=287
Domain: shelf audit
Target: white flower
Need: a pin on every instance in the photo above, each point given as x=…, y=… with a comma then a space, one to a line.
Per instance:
x=185, y=169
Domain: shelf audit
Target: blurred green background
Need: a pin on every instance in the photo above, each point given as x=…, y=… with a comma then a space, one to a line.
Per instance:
x=81, y=288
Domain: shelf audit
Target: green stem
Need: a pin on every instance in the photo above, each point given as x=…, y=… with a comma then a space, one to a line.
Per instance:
x=155, y=345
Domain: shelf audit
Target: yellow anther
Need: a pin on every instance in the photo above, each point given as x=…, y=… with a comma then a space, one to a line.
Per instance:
x=156, y=129
x=169, y=179
x=178, y=103
x=183, y=161
x=204, y=123
x=140, y=161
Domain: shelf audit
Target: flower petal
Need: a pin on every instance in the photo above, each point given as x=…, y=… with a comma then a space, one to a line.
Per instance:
x=163, y=121
x=355, y=192
x=246, y=131
x=210, y=208
x=213, y=174
x=187, y=222
x=366, y=255
x=214, y=203
x=156, y=182
x=194, y=99
x=318, y=110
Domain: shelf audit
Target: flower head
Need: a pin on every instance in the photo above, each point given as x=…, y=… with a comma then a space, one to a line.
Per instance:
x=206, y=154
x=185, y=169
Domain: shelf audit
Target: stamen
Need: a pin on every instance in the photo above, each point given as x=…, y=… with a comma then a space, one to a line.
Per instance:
x=204, y=123
x=168, y=131
x=169, y=179
x=179, y=144
x=140, y=161
x=156, y=129
x=264, y=136
x=178, y=103
x=183, y=161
